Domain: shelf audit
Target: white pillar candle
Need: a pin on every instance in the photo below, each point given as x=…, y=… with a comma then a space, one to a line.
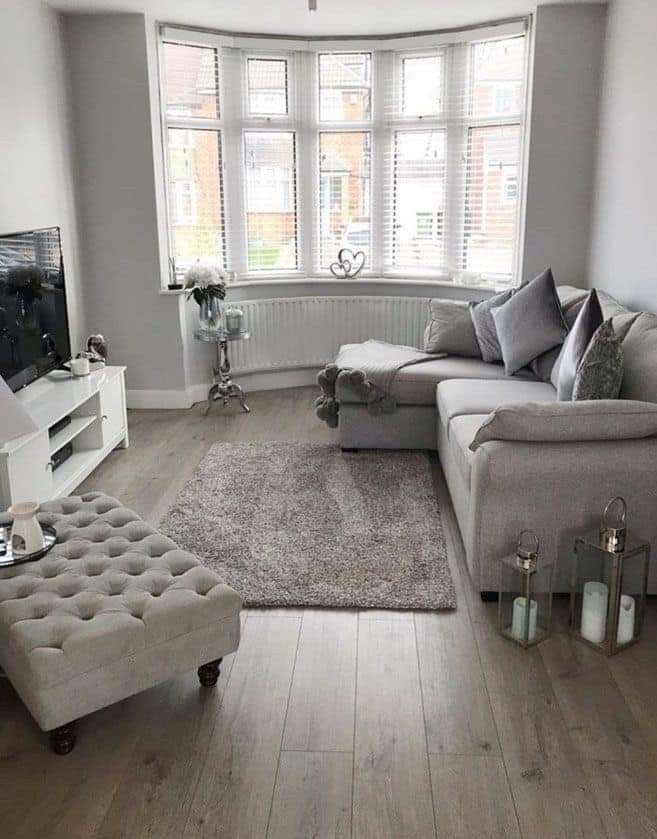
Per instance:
x=594, y=612
x=520, y=619
x=626, y=619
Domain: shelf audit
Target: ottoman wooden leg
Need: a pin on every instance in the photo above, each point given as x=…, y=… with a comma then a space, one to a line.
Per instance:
x=62, y=739
x=209, y=673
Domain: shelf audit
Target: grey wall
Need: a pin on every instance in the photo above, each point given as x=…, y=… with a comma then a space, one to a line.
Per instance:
x=117, y=196
x=36, y=174
x=623, y=257
x=568, y=58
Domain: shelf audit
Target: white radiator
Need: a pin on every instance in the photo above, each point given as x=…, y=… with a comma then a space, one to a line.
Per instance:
x=298, y=332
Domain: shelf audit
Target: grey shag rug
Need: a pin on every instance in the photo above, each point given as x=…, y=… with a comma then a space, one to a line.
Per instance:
x=304, y=524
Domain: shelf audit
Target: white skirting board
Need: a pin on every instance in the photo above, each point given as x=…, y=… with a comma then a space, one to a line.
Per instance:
x=251, y=382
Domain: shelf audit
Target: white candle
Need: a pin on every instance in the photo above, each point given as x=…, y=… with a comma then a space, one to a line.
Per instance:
x=520, y=619
x=626, y=619
x=594, y=612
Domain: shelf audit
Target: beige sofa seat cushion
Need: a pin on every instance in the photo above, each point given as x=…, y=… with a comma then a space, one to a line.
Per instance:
x=461, y=431
x=110, y=588
x=416, y=384
x=460, y=397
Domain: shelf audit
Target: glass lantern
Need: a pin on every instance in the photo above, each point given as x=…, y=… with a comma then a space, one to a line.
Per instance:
x=609, y=583
x=524, y=610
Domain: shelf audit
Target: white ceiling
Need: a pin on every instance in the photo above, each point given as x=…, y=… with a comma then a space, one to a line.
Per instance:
x=334, y=17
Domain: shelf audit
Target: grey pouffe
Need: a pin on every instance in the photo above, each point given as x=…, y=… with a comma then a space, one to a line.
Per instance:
x=114, y=608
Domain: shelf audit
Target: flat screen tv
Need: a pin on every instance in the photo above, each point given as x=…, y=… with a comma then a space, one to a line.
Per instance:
x=34, y=333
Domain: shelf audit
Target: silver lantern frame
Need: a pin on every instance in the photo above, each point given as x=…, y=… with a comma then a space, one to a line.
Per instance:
x=529, y=567
x=613, y=570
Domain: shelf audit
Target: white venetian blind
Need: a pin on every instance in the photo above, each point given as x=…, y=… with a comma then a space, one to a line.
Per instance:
x=452, y=127
x=280, y=153
x=194, y=159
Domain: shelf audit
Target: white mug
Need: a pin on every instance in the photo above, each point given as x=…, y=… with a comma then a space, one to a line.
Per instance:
x=26, y=533
x=80, y=366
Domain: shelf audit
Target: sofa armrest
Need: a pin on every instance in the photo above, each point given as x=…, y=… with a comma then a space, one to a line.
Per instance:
x=561, y=422
x=558, y=490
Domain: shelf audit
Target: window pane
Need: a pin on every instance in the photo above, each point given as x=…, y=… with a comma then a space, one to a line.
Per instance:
x=419, y=199
x=422, y=85
x=498, y=69
x=345, y=81
x=491, y=207
x=271, y=212
x=195, y=197
x=344, y=194
x=191, y=81
x=267, y=86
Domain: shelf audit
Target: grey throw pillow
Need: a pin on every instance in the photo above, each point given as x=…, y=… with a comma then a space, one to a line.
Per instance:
x=565, y=368
x=484, y=325
x=600, y=373
x=530, y=323
x=450, y=329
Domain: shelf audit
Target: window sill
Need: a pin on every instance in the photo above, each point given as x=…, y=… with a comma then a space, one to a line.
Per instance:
x=390, y=282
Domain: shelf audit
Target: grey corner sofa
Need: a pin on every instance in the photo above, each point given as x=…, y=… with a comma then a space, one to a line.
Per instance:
x=557, y=485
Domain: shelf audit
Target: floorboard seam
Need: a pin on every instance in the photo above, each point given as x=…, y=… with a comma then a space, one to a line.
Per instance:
x=353, y=746
x=287, y=708
x=424, y=721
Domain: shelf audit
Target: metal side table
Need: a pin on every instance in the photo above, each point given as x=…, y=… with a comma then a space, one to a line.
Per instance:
x=223, y=387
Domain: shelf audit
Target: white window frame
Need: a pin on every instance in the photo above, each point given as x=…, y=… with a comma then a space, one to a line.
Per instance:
x=303, y=120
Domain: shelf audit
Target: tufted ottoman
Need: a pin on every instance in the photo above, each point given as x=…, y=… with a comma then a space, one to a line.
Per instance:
x=112, y=609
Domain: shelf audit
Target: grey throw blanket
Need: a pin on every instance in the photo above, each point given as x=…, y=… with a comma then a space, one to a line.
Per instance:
x=369, y=369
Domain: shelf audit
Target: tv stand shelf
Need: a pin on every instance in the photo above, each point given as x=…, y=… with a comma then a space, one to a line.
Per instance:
x=97, y=407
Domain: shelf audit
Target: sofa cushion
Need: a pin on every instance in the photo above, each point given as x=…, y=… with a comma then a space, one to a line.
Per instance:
x=530, y=323
x=484, y=325
x=416, y=384
x=573, y=349
x=572, y=299
x=462, y=431
x=450, y=329
x=640, y=359
x=622, y=318
x=462, y=397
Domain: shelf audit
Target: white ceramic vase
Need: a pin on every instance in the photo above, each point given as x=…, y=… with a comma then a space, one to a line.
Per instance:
x=26, y=533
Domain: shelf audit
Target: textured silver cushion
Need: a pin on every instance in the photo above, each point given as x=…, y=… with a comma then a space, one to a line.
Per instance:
x=600, y=372
x=606, y=419
x=111, y=589
x=530, y=323
x=450, y=329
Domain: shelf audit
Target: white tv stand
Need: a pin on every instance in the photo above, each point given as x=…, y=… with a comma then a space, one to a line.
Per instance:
x=97, y=407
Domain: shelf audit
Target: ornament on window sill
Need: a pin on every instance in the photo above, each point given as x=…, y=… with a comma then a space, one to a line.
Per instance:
x=348, y=265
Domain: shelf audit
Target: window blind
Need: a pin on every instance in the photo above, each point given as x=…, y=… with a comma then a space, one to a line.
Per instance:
x=278, y=154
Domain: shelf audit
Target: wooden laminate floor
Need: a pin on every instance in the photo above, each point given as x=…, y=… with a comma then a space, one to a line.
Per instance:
x=342, y=723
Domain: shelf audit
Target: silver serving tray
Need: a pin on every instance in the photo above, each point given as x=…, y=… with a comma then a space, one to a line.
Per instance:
x=7, y=557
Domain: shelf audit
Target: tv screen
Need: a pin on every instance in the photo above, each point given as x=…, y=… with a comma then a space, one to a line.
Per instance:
x=34, y=336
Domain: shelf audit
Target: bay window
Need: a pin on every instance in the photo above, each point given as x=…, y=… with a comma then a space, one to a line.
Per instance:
x=409, y=150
